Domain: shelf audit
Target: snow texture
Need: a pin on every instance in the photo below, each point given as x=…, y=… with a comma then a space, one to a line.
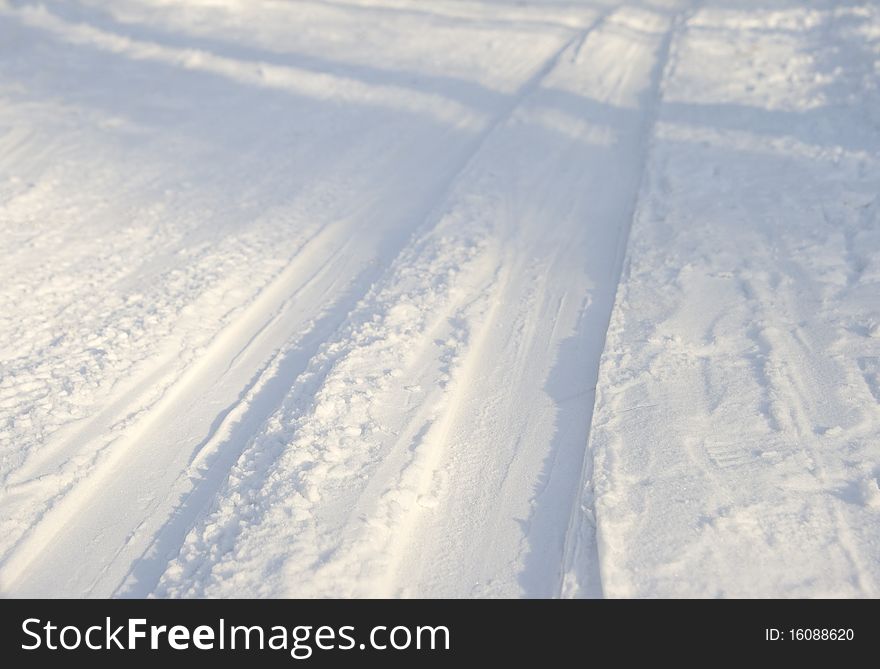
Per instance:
x=461, y=298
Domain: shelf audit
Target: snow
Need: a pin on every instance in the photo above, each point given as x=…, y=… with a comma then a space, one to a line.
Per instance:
x=736, y=436
x=460, y=298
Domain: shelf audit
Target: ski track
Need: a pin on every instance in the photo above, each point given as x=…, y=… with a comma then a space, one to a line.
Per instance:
x=524, y=554
x=363, y=536
x=436, y=301
x=732, y=426
x=580, y=574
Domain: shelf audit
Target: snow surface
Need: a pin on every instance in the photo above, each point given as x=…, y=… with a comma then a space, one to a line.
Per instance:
x=440, y=298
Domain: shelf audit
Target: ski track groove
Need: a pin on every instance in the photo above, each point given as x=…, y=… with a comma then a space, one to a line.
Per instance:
x=664, y=64
x=210, y=464
x=430, y=425
x=130, y=408
x=439, y=429
x=113, y=451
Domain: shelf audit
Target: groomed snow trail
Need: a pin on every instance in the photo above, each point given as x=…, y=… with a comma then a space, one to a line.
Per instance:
x=309, y=298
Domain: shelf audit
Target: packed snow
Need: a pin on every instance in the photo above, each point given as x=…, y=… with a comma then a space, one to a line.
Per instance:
x=440, y=298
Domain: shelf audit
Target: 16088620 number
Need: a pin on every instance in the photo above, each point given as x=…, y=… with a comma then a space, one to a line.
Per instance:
x=821, y=634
